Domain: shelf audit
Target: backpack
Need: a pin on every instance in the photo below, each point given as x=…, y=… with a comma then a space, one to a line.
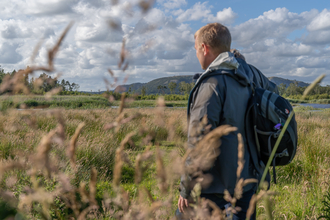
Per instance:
x=268, y=113
x=265, y=116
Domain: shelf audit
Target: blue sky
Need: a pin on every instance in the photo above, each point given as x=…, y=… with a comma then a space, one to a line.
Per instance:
x=289, y=39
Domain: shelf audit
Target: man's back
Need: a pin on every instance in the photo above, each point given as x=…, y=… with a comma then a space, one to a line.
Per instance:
x=221, y=94
x=224, y=100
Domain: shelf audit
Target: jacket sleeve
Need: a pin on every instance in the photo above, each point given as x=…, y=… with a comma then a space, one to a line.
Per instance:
x=209, y=102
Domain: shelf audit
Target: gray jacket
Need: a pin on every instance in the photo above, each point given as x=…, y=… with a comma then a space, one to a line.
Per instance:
x=224, y=100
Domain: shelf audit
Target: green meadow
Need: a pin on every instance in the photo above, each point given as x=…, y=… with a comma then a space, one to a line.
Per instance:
x=147, y=133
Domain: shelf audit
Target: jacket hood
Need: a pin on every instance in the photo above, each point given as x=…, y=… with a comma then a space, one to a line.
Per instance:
x=227, y=61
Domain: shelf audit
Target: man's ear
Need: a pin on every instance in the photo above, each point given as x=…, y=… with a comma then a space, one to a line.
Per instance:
x=206, y=49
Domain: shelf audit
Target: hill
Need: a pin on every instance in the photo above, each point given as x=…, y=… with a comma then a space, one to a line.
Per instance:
x=287, y=82
x=152, y=86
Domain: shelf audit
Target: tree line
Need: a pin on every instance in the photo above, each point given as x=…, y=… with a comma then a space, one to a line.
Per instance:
x=184, y=88
x=295, y=92
x=42, y=84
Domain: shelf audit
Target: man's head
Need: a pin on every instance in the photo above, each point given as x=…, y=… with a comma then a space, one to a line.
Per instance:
x=210, y=41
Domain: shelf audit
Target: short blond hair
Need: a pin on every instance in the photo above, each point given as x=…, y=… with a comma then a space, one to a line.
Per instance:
x=216, y=36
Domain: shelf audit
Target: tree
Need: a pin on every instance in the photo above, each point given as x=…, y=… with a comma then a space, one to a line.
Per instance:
x=143, y=91
x=68, y=86
x=172, y=86
x=291, y=90
x=282, y=89
x=2, y=74
x=159, y=87
x=63, y=85
x=75, y=87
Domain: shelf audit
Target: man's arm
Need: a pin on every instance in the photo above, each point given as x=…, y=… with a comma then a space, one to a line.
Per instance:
x=209, y=102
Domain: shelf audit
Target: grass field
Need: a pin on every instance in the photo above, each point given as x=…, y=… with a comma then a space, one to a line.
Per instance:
x=301, y=187
x=96, y=102
x=76, y=102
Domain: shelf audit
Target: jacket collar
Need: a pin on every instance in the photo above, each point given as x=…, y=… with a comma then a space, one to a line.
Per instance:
x=224, y=61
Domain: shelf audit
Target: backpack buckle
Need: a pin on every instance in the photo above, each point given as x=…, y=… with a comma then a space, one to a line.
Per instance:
x=277, y=133
x=284, y=153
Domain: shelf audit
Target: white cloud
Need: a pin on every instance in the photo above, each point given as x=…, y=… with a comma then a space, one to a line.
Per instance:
x=272, y=24
x=226, y=16
x=8, y=53
x=50, y=7
x=320, y=22
x=317, y=38
x=172, y=4
x=292, y=49
x=197, y=12
x=97, y=32
x=313, y=62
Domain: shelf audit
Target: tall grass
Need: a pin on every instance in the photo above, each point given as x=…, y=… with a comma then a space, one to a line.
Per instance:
x=301, y=185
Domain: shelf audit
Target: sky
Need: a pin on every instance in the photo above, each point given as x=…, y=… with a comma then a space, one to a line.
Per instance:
x=288, y=39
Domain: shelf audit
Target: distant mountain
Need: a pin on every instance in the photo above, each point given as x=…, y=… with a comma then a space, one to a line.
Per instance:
x=287, y=82
x=134, y=87
x=164, y=81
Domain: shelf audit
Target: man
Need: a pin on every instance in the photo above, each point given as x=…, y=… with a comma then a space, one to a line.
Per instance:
x=223, y=99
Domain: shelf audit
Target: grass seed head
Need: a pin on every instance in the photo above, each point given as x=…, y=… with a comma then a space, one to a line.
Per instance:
x=240, y=160
x=92, y=186
x=313, y=85
x=73, y=143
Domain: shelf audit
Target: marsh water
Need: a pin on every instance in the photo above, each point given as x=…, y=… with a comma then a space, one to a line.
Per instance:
x=315, y=105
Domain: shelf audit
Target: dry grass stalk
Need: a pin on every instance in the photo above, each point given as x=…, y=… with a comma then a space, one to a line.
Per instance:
x=161, y=173
x=16, y=83
x=83, y=192
x=159, y=112
x=41, y=196
x=92, y=187
x=122, y=103
x=313, y=85
x=123, y=54
x=118, y=168
x=114, y=2
x=42, y=156
x=111, y=72
x=36, y=50
x=146, y=5
x=120, y=158
x=52, y=92
x=252, y=207
x=124, y=69
x=11, y=165
x=240, y=160
x=139, y=168
x=52, y=53
x=82, y=215
x=60, y=130
x=73, y=143
x=206, y=151
x=217, y=213
x=120, y=120
x=65, y=183
x=114, y=25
